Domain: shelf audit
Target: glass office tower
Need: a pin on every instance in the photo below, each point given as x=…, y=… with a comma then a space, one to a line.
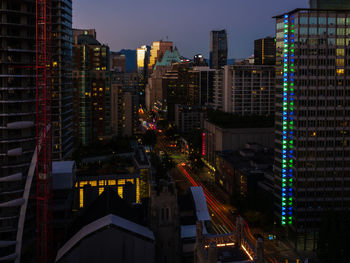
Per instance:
x=218, y=49
x=312, y=154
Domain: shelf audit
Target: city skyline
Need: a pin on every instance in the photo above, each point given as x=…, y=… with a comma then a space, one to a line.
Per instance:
x=189, y=32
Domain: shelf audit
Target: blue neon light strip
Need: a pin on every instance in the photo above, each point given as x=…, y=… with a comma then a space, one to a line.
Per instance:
x=287, y=121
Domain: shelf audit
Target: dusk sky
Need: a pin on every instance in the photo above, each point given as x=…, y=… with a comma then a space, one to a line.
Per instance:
x=131, y=23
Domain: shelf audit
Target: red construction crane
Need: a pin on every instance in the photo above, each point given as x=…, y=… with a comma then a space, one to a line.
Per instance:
x=44, y=130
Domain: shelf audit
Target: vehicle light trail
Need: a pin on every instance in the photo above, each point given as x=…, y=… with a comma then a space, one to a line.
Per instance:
x=211, y=200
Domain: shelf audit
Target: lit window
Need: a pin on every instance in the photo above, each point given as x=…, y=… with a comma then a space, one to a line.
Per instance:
x=340, y=62
x=120, y=191
x=340, y=52
x=81, y=198
x=121, y=181
x=111, y=182
x=340, y=72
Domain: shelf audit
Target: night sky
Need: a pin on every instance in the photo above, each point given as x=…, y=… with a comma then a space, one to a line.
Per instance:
x=132, y=23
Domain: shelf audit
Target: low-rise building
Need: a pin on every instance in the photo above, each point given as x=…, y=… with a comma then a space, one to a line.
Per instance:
x=109, y=229
x=244, y=171
x=228, y=132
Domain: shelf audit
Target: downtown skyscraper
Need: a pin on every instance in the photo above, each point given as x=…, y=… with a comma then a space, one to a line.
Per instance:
x=312, y=154
x=218, y=49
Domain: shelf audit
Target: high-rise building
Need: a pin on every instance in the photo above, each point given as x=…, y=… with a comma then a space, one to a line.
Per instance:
x=326, y=4
x=62, y=100
x=206, y=85
x=154, y=88
x=180, y=85
x=142, y=59
x=265, y=51
x=17, y=128
x=143, y=54
x=124, y=104
x=218, y=89
x=218, y=49
x=157, y=51
x=118, y=62
x=249, y=89
x=312, y=154
x=91, y=89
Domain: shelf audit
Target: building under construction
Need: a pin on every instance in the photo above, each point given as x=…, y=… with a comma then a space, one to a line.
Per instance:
x=25, y=118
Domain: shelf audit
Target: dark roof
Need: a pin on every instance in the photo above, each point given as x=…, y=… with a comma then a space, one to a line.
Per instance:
x=186, y=204
x=87, y=39
x=312, y=10
x=231, y=254
x=231, y=121
x=107, y=203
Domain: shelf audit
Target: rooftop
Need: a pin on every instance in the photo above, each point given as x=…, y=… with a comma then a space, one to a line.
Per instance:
x=64, y=167
x=231, y=121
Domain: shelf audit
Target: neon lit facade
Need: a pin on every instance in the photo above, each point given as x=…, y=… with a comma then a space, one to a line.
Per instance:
x=312, y=153
x=203, y=144
x=287, y=123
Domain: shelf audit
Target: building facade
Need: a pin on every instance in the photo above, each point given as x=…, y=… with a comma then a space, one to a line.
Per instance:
x=17, y=127
x=62, y=100
x=91, y=90
x=124, y=104
x=265, y=51
x=157, y=51
x=218, y=49
x=180, y=85
x=312, y=154
x=249, y=89
x=143, y=54
x=188, y=119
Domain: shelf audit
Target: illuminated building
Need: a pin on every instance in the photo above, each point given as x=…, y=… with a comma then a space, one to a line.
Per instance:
x=265, y=51
x=180, y=85
x=218, y=49
x=154, y=89
x=88, y=188
x=144, y=168
x=91, y=89
x=249, y=89
x=312, y=152
x=142, y=59
x=124, y=103
x=157, y=51
x=143, y=54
